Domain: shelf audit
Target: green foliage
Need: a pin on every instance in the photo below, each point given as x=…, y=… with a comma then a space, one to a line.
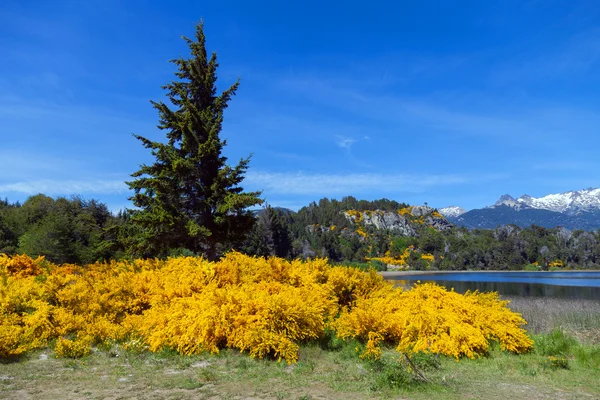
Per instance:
x=363, y=266
x=378, y=265
x=400, y=243
x=79, y=231
x=431, y=241
x=389, y=373
x=9, y=227
x=400, y=371
x=190, y=197
x=425, y=361
x=270, y=235
x=552, y=362
x=557, y=343
x=62, y=230
x=588, y=356
x=532, y=267
x=559, y=349
x=321, y=229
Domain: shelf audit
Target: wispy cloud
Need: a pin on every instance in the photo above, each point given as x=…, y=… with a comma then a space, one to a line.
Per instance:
x=335, y=184
x=344, y=142
x=65, y=187
x=468, y=113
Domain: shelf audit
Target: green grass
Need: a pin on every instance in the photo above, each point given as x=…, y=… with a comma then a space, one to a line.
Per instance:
x=327, y=369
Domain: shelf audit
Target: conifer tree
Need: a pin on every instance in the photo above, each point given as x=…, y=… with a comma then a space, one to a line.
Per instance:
x=190, y=198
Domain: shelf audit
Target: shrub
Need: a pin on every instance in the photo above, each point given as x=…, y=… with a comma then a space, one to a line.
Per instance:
x=556, y=343
x=265, y=307
x=431, y=319
x=66, y=348
x=552, y=362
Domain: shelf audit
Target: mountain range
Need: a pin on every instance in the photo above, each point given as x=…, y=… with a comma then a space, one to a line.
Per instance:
x=572, y=210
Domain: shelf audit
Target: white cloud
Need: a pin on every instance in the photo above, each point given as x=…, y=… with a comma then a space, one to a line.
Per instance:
x=65, y=187
x=336, y=184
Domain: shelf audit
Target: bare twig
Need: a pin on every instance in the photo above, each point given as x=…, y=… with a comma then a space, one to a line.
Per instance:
x=417, y=371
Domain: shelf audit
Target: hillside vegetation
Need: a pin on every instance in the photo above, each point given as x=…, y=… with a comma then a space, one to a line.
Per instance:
x=383, y=234
x=391, y=235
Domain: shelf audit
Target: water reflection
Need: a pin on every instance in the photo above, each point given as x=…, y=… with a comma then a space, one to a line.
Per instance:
x=511, y=284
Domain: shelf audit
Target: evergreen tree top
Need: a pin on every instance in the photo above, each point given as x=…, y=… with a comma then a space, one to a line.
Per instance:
x=190, y=197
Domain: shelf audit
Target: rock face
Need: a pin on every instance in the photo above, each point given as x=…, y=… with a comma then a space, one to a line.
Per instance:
x=439, y=223
x=388, y=220
x=402, y=222
x=508, y=200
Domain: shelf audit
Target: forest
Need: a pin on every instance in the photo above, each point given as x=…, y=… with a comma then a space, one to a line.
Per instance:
x=78, y=231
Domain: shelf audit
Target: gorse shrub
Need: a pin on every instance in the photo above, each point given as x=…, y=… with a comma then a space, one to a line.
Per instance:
x=431, y=319
x=21, y=266
x=552, y=362
x=72, y=348
x=266, y=307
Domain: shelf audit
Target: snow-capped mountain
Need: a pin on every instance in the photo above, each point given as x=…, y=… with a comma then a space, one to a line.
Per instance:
x=571, y=203
x=508, y=200
x=452, y=211
x=572, y=210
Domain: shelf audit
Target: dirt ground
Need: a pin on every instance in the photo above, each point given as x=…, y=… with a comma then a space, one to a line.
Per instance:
x=118, y=375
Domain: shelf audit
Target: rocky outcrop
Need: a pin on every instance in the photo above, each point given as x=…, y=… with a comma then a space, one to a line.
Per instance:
x=403, y=222
x=388, y=221
x=439, y=223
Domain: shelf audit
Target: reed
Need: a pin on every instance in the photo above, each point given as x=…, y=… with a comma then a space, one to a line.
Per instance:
x=581, y=318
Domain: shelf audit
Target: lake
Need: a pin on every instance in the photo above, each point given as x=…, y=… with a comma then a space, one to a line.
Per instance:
x=568, y=284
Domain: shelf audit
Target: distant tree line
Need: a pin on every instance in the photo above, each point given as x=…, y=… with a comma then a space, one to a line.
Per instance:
x=321, y=230
x=64, y=230
x=84, y=231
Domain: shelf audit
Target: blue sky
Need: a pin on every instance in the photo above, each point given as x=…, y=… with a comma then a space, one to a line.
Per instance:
x=444, y=102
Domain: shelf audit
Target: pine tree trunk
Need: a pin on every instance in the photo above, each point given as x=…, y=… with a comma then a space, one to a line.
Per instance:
x=211, y=252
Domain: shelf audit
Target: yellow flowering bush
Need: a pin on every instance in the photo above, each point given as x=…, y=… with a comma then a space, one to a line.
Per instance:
x=431, y=319
x=401, y=261
x=73, y=348
x=405, y=211
x=357, y=216
x=552, y=362
x=265, y=307
x=556, y=264
x=20, y=265
x=428, y=257
x=361, y=232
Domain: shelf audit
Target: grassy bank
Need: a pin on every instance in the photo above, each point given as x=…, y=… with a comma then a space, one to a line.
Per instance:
x=565, y=364
x=323, y=372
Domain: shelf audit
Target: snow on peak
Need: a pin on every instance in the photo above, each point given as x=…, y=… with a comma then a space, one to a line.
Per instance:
x=507, y=200
x=452, y=211
x=572, y=202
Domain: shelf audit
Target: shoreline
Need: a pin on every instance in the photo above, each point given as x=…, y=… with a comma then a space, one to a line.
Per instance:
x=392, y=274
